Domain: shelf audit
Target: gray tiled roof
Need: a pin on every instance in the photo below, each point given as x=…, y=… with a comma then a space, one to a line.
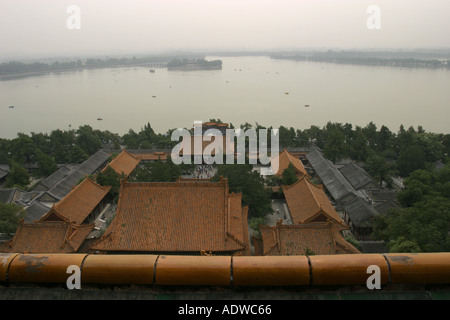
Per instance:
x=331, y=177
x=357, y=176
x=6, y=195
x=63, y=187
x=57, y=176
x=35, y=212
x=3, y=173
x=361, y=213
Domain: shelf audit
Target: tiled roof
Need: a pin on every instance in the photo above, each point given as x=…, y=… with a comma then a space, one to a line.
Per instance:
x=57, y=176
x=124, y=163
x=176, y=217
x=3, y=174
x=358, y=177
x=35, y=211
x=48, y=237
x=385, y=206
x=17, y=196
x=80, y=202
x=94, y=163
x=284, y=159
x=361, y=213
x=332, y=178
x=308, y=202
x=6, y=195
x=320, y=238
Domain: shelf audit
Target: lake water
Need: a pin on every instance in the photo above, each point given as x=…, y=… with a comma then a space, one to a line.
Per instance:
x=249, y=89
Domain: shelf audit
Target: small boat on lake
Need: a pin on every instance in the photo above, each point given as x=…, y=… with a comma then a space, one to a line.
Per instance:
x=306, y=105
x=99, y=119
x=11, y=107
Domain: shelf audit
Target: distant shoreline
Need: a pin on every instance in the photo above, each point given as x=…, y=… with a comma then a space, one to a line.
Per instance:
x=20, y=75
x=376, y=59
x=348, y=59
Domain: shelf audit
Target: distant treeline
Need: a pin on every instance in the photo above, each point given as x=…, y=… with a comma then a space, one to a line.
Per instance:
x=369, y=58
x=16, y=67
x=401, y=152
x=194, y=64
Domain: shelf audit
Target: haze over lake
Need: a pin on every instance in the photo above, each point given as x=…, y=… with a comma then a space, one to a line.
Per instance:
x=270, y=92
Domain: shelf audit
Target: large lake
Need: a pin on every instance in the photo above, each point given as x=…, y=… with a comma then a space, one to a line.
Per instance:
x=252, y=89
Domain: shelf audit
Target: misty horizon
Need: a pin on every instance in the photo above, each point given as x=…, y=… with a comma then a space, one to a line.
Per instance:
x=39, y=29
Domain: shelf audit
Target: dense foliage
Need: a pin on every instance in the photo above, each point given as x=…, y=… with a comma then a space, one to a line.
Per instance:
x=423, y=224
x=10, y=215
x=17, y=177
x=111, y=178
x=242, y=179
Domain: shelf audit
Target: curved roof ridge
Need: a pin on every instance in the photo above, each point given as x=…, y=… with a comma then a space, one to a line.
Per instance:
x=76, y=188
x=53, y=211
x=292, y=185
x=319, y=204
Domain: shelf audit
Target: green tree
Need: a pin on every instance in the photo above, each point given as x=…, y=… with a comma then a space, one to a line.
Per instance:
x=287, y=137
x=424, y=224
x=22, y=149
x=110, y=178
x=385, y=139
x=157, y=171
x=77, y=155
x=242, y=178
x=316, y=136
x=88, y=140
x=131, y=139
x=61, y=142
x=432, y=148
x=46, y=164
x=42, y=142
x=301, y=138
x=255, y=223
x=403, y=245
x=378, y=168
x=10, y=215
x=358, y=148
x=352, y=240
x=4, y=156
x=18, y=176
x=370, y=132
x=289, y=176
x=334, y=148
x=410, y=159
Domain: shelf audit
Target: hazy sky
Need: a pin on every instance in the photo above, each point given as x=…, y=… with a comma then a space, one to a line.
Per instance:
x=38, y=27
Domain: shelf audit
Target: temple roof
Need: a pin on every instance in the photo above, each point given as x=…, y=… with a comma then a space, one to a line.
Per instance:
x=48, y=237
x=79, y=203
x=177, y=217
x=319, y=238
x=124, y=163
x=308, y=202
x=284, y=159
